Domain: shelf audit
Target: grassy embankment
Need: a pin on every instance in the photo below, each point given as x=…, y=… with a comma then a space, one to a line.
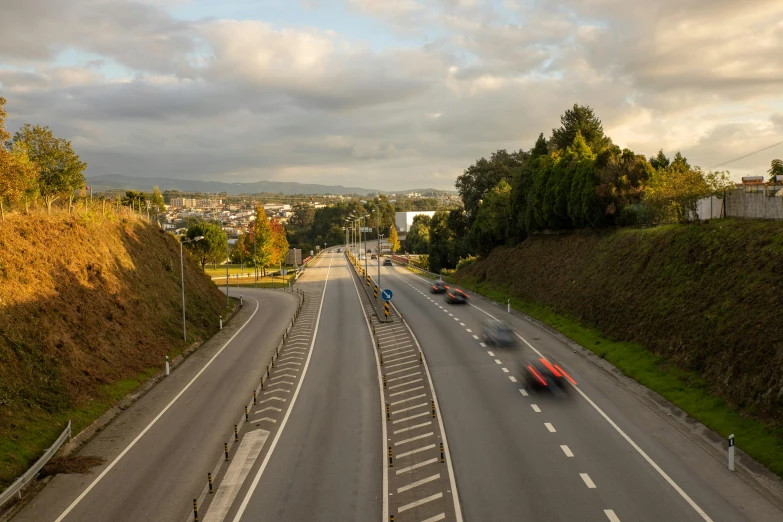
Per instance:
x=89, y=308
x=688, y=311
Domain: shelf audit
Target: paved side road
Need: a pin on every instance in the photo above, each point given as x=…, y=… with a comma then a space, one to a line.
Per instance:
x=175, y=442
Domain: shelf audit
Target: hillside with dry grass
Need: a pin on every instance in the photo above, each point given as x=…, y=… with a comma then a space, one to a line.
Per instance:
x=89, y=307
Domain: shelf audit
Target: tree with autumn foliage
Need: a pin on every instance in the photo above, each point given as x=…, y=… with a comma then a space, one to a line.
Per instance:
x=673, y=192
x=17, y=172
x=279, y=243
x=394, y=240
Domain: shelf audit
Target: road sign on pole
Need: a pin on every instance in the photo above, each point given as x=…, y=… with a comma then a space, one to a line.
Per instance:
x=386, y=295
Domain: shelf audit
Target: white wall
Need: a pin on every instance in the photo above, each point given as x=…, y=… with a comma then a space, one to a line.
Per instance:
x=404, y=220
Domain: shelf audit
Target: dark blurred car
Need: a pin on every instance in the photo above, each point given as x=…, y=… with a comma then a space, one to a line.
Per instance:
x=498, y=333
x=542, y=374
x=339, y=249
x=387, y=262
x=439, y=287
x=373, y=256
x=456, y=296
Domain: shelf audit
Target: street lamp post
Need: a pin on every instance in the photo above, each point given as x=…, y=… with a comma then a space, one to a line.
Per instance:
x=378, y=221
x=227, y=299
x=182, y=278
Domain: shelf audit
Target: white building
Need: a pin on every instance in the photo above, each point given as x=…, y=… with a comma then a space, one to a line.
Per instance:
x=404, y=220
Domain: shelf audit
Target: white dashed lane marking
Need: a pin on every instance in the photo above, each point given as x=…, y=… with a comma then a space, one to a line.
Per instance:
x=550, y=427
x=588, y=481
x=566, y=450
x=535, y=408
x=490, y=353
x=512, y=378
x=611, y=516
x=523, y=392
x=497, y=361
x=505, y=370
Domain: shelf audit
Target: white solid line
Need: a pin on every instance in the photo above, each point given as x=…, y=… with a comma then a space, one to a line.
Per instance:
x=395, y=432
x=418, y=450
x=404, y=384
x=497, y=361
x=418, y=483
x=379, y=370
x=566, y=450
x=490, y=353
x=611, y=516
x=257, y=478
x=418, y=437
x=436, y=518
x=411, y=417
x=404, y=377
x=505, y=370
x=406, y=391
x=512, y=378
x=588, y=481
x=416, y=466
x=152, y=423
x=409, y=408
x=406, y=507
x=550, y=427
x=409, y=399
x=535, y=408
x=523, y=392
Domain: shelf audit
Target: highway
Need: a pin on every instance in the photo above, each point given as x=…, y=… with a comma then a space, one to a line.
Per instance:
x=159, y=450
x=597, y=455
x=327, y=465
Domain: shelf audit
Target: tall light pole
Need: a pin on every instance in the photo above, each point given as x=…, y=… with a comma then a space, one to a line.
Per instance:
x=182, y=277
x=378, y=221
x=227, y=299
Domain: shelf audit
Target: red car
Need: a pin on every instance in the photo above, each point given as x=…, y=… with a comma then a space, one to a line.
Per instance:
x=439, y=287
x=456, y=296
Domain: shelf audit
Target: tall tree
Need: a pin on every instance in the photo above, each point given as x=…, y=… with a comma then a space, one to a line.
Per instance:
x=493, y=223
x=157, y=199
x=61, y=172
x=279, y=243
x=210, y=249
x=580, y=118
x=264, y=248
x=775, y=169
x=17, y=172
x=394, y=240
x=417, y=241
x=540, y=148
x=482, y=176
x=660, y=161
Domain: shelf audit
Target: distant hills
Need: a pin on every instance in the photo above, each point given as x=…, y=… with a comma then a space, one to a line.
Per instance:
x=114, y=182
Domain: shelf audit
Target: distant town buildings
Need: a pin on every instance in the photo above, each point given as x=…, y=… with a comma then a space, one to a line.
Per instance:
x=195, y=203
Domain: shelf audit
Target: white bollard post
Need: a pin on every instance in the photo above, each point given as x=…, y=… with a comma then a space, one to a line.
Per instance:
x=508, y=308
x=168, y=368
x=221, y=322
x=731, y=452
x=241, y=302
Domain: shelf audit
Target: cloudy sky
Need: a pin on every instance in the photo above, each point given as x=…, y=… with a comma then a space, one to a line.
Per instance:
x=387, y=94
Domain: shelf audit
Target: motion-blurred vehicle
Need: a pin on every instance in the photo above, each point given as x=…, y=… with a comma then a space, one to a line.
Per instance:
x=439, y=287
x=542, y=374
x=456, y=296
x=339, y=249
x=387, y=262
x=498, y=333
x=373, y=256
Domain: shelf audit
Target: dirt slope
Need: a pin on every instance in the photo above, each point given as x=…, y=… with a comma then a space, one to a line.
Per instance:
x=707, y=297
x=88, y=305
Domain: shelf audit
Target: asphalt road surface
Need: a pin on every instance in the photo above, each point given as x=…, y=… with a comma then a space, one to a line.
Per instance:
x=177, y=442
x=597, y=455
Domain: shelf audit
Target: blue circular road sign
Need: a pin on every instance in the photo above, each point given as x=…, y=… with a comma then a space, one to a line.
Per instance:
x=386, y=295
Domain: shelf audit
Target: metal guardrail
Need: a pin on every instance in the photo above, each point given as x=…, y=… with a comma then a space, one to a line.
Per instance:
x=21, y=482
x=431, y=275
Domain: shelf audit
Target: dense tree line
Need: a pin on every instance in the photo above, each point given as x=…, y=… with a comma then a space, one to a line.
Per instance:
x=264, y=245
x=576, y=179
